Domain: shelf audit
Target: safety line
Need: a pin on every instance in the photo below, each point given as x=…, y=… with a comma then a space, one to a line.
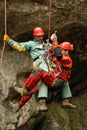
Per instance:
x=3, y=49
x=49, y=20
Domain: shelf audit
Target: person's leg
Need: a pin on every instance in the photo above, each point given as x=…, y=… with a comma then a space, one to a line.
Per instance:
x=29, y=84
x=42, y=96
x=43, y=90
x=65, y=91
x=57, y=85
x=23, y=100
x=66, y=95
x=32, y=81
x=49, y=80
x=21, y=90
x=34, y=78
x=16, y=106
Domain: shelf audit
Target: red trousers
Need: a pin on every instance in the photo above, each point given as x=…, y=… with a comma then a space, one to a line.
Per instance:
x=33, y=80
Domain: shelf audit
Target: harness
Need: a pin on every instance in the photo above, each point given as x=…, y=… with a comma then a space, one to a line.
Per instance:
x=57, y=71
x=44, y=58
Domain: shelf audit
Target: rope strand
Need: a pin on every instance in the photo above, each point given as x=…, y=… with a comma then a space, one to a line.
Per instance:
x=4, y=41
x=49, y=21
x=5, y=19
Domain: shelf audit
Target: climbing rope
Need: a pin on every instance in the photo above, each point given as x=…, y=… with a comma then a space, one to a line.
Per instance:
x=2, y=54
x=3, y=49
x=49, y=20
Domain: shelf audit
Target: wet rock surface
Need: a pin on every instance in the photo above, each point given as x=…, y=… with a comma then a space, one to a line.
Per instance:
x=69, y=18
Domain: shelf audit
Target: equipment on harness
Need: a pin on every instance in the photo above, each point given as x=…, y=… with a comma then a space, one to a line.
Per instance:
x=48, y=54
x=46, y=57
x=38, y=31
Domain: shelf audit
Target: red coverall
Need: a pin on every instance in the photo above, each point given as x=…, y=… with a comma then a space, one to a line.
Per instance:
x=48, y=78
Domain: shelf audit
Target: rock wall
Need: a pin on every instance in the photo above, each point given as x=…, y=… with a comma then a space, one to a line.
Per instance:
x=69, y=18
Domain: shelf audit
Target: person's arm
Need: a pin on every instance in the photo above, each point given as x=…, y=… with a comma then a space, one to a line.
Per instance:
x=54, y=40
x=55, y=44
x=57, y=53
x=66, y=62
x=17, y=46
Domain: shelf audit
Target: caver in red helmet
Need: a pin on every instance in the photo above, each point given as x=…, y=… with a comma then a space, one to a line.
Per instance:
x=38, y=31
x=66, y=46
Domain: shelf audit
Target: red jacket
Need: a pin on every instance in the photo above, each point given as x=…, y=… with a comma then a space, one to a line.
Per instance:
x=63, y=68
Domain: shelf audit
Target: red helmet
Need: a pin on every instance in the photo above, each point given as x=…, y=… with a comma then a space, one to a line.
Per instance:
x=66, y=46
x=38, y=31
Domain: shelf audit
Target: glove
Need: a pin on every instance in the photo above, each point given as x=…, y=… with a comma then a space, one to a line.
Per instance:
x=53, y=37
x=6, y=38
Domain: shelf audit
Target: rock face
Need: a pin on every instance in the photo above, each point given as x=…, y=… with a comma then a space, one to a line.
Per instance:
x=69, y=18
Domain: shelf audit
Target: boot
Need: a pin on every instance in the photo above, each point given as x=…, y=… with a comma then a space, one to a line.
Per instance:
x=21, y=91
x=42, y=105
x=66, y=104
x=14, y=106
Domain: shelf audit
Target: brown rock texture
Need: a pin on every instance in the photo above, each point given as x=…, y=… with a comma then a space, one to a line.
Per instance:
x=69, y=18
